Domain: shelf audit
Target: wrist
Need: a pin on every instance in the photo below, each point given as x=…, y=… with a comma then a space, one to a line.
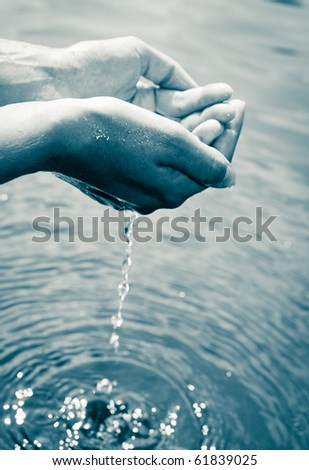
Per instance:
x=77, y=129
x=28, y=141
x=29, y=72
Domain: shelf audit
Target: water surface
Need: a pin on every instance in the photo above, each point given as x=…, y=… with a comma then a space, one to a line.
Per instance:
x=219, y=330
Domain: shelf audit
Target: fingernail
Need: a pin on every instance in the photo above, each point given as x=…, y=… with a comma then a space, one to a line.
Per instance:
x=229, y=179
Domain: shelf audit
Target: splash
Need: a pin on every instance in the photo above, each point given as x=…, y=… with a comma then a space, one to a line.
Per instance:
x=107, y=421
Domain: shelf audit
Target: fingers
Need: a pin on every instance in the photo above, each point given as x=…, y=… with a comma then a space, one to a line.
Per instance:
x=180, y=188
x=208, y=131
x=227, y=141
x=181, y=103
x=222, y=112
x=145, y=97
x=171, y=190
x=203, y=164
x=162, y=69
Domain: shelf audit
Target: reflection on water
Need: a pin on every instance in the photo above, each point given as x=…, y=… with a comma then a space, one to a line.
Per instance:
x=295, y=3
x=219, y=330
x=285, y=51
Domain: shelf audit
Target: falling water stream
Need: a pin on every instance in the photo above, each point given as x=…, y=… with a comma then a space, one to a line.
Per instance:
x=116, y=413
x=124, y=286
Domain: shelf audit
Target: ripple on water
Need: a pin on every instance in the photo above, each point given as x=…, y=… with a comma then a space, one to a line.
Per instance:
x=239, y=336
x=115, y=409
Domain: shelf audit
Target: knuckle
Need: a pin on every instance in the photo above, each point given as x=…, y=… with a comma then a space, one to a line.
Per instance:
x=180, y=103
x=172, y=71
x=178, y=133
x=135, y=41
x=173, y=143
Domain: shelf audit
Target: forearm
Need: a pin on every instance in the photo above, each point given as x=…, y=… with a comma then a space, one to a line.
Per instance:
x=28, y=140
x=28, y=72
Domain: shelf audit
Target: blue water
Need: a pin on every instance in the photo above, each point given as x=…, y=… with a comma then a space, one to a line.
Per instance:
x=215, y=333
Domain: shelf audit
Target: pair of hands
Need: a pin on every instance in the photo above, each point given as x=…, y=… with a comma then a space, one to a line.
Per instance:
x=142, y=145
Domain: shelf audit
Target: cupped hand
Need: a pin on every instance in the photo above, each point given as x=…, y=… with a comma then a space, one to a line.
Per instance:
x=114, y=67
x=113, y=149
x=129, y=69
x=132, y=70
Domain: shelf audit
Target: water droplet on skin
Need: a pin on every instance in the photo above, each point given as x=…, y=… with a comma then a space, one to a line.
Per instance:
x=100, y=134
x=229, y=374
x=190, y=387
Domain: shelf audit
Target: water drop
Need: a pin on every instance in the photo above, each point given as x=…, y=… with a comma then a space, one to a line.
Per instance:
x=20, y=416
x=205, y=430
